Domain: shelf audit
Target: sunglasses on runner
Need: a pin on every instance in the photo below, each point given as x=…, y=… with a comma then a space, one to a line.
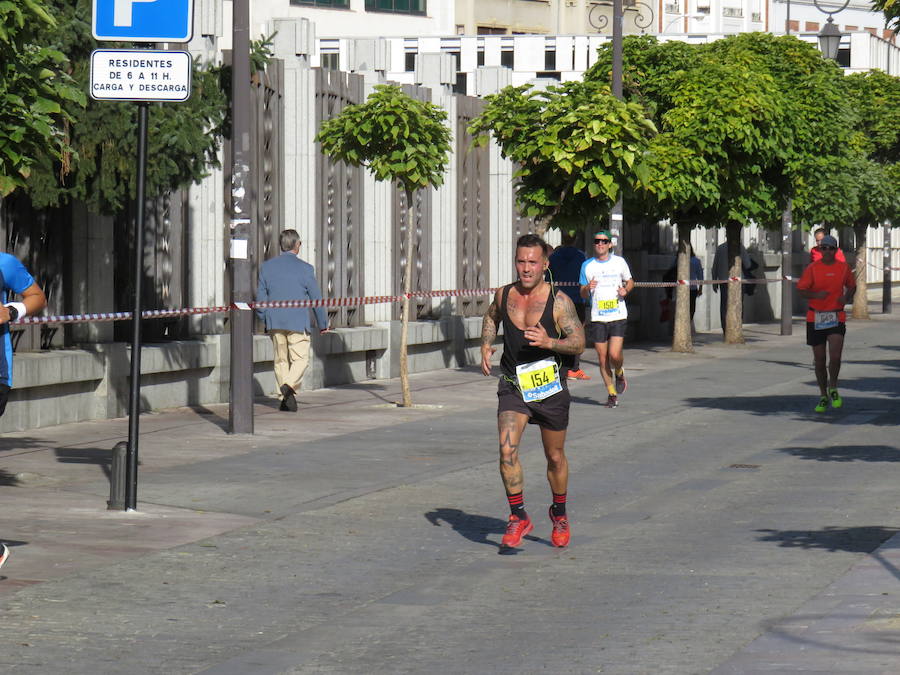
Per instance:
x=601, y=241
x=828, y=248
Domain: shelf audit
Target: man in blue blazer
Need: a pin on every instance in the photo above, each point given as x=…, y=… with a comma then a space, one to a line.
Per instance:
x=286, y=277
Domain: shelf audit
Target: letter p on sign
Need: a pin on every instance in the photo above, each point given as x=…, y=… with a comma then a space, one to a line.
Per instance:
x=143, y=20
x=122, y=11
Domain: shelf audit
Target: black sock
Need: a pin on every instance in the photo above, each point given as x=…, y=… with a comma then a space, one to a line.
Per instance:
x=559, y=505
x=517, y=505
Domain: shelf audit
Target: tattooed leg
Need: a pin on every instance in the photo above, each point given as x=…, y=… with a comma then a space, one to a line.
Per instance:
x=511, y=425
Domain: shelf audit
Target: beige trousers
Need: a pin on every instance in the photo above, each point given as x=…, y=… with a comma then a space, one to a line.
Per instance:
x=291, y=357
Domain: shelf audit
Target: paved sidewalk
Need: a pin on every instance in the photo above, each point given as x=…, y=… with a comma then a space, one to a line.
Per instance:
x=212, y=506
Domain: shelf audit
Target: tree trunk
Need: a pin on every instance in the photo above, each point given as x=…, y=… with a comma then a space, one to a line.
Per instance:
x=681, y=337
x=404, y=306
x=860, y=300
x=734, y=313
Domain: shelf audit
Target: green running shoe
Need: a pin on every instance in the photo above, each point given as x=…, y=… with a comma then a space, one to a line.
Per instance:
x=836, y=400
x=823, y=404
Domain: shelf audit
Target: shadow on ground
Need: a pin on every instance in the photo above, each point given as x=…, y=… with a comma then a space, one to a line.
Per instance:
x=801, y=407
x=847, y=453
x=850, y=539
x=98, y=456
x=474, y=527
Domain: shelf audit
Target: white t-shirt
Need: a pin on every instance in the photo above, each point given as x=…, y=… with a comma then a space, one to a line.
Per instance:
x=611, y=275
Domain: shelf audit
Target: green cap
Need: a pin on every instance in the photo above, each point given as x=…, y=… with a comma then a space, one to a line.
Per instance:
x=605, y=233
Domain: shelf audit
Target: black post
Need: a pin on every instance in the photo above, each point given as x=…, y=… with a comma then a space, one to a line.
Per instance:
x=240, y=414
x=134, y=405
x=616, y=217
x=787, y=267
x=886, y=272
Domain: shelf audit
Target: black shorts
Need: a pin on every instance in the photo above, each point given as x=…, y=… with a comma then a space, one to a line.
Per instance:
x=552, y=413
x=4, y=397
x=820, y=337
x=601, y=331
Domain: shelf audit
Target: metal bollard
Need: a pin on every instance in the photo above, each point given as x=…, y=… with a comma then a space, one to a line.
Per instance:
x=117, y=477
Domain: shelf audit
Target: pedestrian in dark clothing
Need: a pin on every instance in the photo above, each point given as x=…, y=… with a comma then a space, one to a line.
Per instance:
x=565, y=265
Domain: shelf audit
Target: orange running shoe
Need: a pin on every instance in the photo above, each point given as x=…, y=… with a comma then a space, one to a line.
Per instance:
x=561, y=533
x=578, y=375
x=516, y=529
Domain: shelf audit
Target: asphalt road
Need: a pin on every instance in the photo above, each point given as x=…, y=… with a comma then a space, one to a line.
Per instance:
x=710, y=509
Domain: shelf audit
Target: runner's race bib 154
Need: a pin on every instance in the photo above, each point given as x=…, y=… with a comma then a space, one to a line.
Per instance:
x=538, y=380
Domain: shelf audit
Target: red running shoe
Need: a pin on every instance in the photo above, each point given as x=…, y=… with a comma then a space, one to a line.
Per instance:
x=516, y=529
x=561, y=533
x=578, y=375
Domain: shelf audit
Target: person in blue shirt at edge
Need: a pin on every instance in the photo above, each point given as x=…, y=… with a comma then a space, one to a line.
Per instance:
x=287, y=277
x=565, y=266
x=14, y=279
x=696, y=274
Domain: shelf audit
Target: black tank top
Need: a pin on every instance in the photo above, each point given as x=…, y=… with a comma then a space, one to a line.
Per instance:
x=516, y=349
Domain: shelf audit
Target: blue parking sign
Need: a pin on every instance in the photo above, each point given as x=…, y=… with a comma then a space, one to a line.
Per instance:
x=143, y=20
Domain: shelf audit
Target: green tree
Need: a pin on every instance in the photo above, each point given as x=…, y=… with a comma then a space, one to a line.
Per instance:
x=37, y=97
x=716, y=159
x=398, y=139
x=876, y=97
x=577, y=148
x=891, y=11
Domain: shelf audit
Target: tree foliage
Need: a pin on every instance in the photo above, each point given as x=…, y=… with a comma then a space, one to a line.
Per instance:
x=395, y=136
x=576, y=145
x=37, y=97
x=399, y=139
x=183, y=138
x=891, y=11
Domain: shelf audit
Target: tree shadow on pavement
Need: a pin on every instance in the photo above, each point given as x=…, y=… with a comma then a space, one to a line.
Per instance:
x=473, y=527
x=850, y=539
x=847, y=453
x=801, y=408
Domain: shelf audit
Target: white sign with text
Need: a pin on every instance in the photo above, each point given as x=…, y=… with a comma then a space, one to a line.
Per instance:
x=140, y=75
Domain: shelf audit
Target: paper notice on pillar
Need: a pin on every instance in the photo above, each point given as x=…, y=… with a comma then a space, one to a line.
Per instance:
x=140, y=75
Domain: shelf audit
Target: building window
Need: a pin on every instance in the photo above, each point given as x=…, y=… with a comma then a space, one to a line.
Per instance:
x=461, y=85
x=323, y=3
x=330, y=61
x=398, y=6
x=479, y=60
x=549, y=59
x=733, y=12
x=507, y=58
x=491, y=30
x=410, y=62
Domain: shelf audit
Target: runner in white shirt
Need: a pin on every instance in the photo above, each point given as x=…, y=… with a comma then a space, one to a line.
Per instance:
x=605, y=281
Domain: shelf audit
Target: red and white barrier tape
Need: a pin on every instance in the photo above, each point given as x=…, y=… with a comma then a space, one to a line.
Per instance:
x=100, y=317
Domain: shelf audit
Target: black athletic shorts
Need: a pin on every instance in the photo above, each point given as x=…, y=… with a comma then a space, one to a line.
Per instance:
x=820, y=337
x=552, y=413
x=601, y=331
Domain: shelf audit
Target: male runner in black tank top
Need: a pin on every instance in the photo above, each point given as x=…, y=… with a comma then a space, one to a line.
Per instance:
x=539, y=326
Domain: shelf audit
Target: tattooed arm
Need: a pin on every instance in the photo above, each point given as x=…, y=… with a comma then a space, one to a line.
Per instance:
x=489, y=327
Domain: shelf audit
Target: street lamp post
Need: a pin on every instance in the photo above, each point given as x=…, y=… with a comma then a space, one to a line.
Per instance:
x=830, y=35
